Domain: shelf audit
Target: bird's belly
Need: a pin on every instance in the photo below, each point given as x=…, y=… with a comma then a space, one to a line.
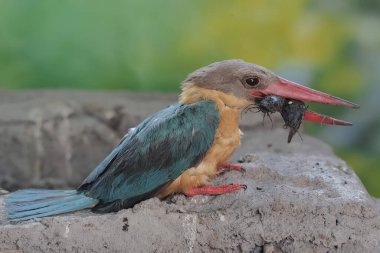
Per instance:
x=225, y=146
x=220, y=152
x=226, y=140
x=228, y=146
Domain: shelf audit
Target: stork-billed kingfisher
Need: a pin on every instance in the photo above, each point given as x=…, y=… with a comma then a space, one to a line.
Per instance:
x=178, y=149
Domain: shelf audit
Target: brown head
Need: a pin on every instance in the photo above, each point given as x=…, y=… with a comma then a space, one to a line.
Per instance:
x=249, y=81
x=235, y=77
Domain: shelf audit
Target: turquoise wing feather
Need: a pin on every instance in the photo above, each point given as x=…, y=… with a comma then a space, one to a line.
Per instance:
x=155, y=153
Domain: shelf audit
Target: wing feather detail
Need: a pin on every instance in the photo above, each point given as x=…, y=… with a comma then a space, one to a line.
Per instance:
x=155, y=153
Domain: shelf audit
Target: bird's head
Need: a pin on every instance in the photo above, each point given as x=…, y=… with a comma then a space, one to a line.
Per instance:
x=252, y=82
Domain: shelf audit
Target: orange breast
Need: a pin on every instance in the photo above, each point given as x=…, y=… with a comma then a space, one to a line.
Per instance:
x=227, y=139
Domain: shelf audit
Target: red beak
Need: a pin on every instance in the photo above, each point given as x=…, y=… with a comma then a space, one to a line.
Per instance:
x=292, y=90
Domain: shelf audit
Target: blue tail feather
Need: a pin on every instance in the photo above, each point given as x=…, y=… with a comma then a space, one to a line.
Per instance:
x=30, y=195
x=33, y=203
x=38, y=204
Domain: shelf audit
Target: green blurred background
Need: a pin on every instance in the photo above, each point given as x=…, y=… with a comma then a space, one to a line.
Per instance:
x=152, y=45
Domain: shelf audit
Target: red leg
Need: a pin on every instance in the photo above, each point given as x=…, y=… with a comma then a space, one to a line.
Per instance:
x=230, y=166
x=215, y=190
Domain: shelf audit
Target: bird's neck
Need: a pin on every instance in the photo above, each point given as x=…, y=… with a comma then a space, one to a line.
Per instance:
x=223, y=100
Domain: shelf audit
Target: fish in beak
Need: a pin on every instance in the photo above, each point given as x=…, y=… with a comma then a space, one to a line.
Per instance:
x=288, y=98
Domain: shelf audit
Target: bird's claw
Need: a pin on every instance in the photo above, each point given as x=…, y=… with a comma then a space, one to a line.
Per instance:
x=242, y=186
x=215, y=190
x=228, y=166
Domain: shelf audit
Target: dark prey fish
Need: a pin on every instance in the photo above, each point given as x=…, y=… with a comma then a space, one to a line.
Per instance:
x=292, y=111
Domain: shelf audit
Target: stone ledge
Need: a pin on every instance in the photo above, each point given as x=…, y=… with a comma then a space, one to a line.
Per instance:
x=300, y=198
x=295, y=202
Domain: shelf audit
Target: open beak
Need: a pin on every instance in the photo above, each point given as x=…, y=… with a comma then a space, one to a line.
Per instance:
x=292, y=90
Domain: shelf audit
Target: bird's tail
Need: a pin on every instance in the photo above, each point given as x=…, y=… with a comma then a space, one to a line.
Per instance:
x=33, y=203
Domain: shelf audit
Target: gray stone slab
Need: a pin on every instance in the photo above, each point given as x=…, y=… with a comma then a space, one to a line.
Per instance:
x=300, y=196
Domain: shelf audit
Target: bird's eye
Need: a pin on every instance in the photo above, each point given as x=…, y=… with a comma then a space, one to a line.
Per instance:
x=252, y=81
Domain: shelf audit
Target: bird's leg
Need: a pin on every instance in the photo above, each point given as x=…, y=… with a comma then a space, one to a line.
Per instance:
x=214, y=190
x=228, y=166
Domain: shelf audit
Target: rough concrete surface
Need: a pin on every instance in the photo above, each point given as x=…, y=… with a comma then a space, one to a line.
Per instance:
x=300, y=198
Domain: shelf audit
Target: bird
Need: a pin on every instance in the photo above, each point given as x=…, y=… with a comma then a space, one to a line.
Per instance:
x=179, y=149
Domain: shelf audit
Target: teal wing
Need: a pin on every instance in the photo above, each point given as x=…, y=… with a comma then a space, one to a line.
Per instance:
x=152, y=155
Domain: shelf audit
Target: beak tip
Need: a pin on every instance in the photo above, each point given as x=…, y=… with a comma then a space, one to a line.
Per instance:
x=315, y=117
x=352, y=105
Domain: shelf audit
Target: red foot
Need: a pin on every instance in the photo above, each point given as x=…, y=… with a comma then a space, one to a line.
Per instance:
x=215, y=190
x=230, y=166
